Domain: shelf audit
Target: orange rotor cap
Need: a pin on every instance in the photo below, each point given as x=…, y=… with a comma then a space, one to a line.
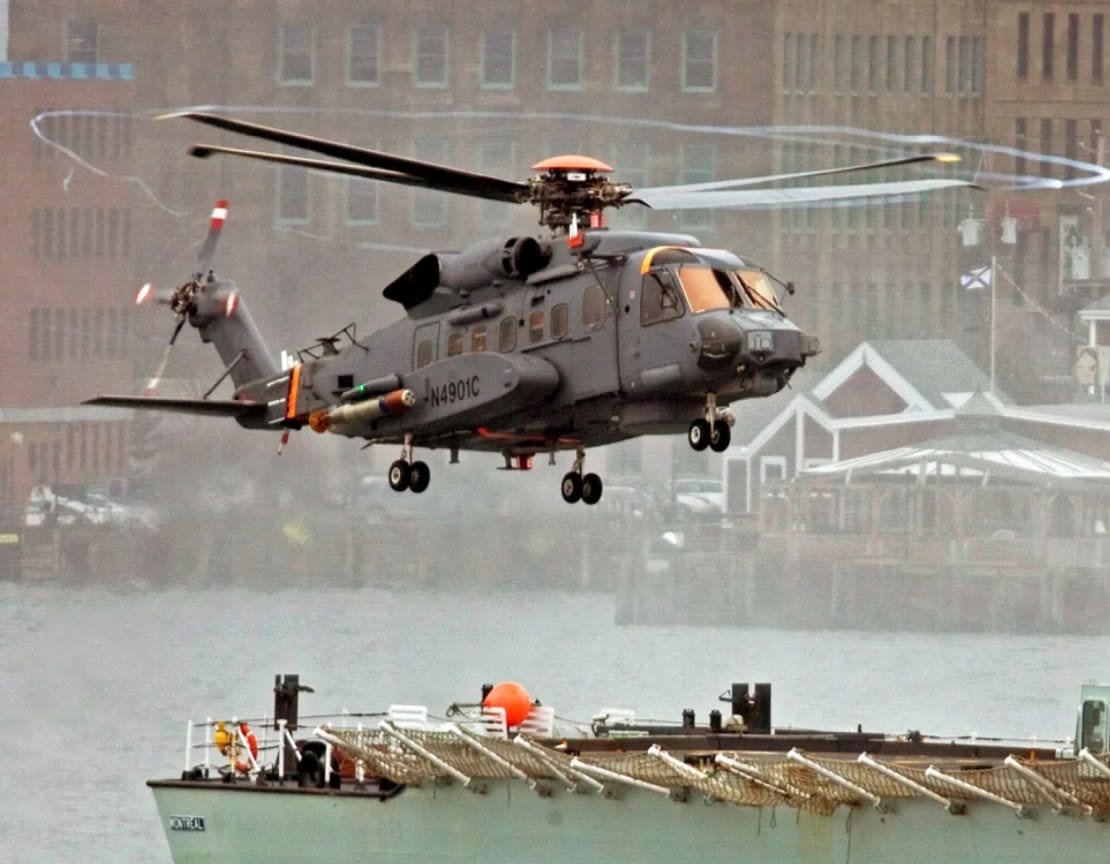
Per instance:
x=513, y=698
x=571, y=162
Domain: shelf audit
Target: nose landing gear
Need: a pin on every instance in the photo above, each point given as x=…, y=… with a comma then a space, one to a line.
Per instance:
x=714, y=430
x=577, y=486
x=407, y=474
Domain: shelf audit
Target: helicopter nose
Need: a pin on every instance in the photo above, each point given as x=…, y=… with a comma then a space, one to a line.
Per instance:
x=721, y=340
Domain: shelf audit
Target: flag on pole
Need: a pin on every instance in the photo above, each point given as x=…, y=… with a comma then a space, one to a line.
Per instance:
x=977, y=279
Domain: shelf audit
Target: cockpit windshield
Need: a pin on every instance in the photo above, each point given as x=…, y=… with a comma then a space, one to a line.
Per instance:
x=757, y=286
x=703, y=289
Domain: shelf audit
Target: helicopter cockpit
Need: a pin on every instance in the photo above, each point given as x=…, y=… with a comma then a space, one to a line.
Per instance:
x=677, y=280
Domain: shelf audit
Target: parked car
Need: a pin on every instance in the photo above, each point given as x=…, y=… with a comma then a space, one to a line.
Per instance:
x=699, y=496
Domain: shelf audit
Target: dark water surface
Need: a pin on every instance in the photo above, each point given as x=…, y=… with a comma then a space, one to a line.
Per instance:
x=96, y=686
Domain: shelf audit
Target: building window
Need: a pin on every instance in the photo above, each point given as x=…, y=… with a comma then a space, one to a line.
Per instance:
x=296, y=54
x=361, y=202
x=633, y=50
x=908, y=68
x=495, y=157
x=977, y=66
x=630, y=158
x=854, y=61
x=697, y=167
x=1046, y=145
x=873, y=65
x=788, y=52
x=82, y=41
x=1019, y=145
x=430, y=59
x=839, y=62
x=429, y=207
x=1073, y=47
x=772, y=468
x=950, y=65
x=699, y=60
x=498, y=59
x=1023, y=45
x=891, y=63
x=364, y=51
x=292, y=195
x=1071, y=144
x=564, y=59
x=506, y=336
x=1096, y=48
x=926, y=64
x=814, y=62
x=1047, y=47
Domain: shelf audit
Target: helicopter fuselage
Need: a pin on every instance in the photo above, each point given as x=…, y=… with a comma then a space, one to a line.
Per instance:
x=526, y=345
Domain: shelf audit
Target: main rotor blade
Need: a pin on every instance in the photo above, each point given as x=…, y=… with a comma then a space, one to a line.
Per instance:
x=215, y=224
x=203, y=151
x=942, y=158
x=433, y=175
x=756, y=198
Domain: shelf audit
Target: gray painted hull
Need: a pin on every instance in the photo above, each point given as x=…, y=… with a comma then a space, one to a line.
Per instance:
x=510, y=824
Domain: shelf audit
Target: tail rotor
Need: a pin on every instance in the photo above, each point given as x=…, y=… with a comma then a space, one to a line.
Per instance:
x=183, y=300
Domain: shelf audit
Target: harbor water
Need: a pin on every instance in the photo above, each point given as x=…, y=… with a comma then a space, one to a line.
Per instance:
x=96, y=686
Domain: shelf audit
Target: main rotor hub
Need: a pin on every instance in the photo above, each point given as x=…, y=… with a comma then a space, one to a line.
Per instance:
x=573, y=186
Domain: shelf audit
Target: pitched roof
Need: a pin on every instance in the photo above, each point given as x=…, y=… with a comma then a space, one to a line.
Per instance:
x=936, y=368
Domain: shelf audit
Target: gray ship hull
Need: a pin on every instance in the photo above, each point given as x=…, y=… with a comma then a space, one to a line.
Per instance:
x=210, y=822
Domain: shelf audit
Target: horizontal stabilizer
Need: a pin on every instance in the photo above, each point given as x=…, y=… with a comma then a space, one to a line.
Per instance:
x=210, y=407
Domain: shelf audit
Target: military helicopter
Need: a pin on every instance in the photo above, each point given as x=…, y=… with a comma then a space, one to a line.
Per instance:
x=571, y=338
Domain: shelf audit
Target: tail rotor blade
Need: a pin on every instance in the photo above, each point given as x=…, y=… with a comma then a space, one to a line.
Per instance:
x=215, y=224
x=156, y=379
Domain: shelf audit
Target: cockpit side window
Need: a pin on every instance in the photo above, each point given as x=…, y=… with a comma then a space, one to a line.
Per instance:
x=703, y=289
x=660, y=299
x=759, y=289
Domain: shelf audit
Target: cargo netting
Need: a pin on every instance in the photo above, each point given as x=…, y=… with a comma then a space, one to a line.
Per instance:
x=817, y=783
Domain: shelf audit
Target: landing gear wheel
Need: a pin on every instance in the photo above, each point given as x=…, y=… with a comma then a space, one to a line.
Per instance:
x=400, y=474
x=699, y=434
x=722, y=436
x=591, y=489
x=420, y=475
x=572, y=487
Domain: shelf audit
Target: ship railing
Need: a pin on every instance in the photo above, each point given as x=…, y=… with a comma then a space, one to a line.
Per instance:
x=199, y=739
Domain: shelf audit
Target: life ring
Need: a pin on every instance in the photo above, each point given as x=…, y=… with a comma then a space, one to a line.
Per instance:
x=231, y=745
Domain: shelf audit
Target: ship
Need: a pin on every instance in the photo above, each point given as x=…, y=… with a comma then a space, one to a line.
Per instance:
x=505, y=780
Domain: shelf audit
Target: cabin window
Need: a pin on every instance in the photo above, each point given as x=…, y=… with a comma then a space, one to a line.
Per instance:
x=535, y=326
x=478, y=338
x=593, y=306
x=703, y=292
x=506, y=339
x=659, y=298
x=559, y=321
x=455, y=344
x=423, y=353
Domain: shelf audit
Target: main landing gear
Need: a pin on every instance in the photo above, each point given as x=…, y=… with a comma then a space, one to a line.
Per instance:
x=577, y=486
x=406, y=474
x=714, y=430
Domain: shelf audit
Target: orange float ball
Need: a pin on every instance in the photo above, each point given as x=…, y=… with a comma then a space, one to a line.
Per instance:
x=513, y=698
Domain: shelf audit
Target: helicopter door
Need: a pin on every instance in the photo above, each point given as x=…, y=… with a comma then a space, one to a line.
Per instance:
x=651, y=348
x=425, y=345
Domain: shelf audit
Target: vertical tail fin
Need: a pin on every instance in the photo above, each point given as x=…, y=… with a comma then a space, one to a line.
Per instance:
x=223, y=319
